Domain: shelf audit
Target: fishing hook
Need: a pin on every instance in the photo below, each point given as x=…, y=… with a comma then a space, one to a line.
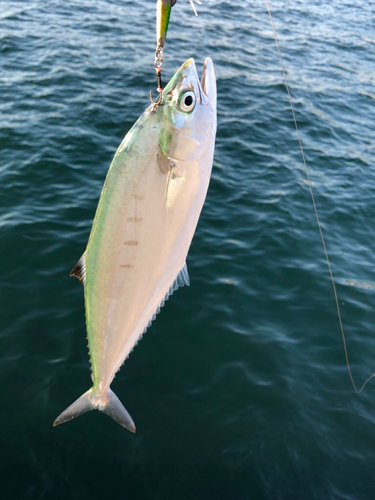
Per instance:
x=156, y=103
x=163, y=14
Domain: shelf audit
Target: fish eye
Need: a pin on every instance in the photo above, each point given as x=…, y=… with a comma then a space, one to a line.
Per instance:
x=187, y=101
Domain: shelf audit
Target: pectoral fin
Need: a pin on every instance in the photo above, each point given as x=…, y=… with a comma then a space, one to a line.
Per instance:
x=174, y=179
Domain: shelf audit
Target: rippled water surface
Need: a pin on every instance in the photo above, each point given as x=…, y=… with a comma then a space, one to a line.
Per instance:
x=239, y=390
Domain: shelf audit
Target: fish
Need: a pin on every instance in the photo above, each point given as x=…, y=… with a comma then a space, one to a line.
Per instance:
x=145, y=221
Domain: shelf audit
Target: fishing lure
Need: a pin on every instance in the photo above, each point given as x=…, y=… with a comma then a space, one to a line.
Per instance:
x=163, y=13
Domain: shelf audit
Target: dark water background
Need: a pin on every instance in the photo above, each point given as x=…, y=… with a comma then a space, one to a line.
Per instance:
x=239, y=390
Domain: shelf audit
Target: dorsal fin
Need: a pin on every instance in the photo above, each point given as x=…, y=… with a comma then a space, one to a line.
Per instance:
x=79, y=270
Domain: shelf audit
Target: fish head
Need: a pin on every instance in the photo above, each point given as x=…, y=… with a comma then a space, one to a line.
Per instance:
x=188, y=113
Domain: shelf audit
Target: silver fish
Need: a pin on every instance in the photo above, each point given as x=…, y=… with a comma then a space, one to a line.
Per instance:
x=143, y=227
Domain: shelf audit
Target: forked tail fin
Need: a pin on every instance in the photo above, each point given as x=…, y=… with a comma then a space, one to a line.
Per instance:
x=108, y=403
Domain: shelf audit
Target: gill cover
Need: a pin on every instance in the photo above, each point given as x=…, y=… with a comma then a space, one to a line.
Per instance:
x=188, y=112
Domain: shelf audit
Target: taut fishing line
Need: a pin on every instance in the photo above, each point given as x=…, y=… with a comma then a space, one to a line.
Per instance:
x=315, y=209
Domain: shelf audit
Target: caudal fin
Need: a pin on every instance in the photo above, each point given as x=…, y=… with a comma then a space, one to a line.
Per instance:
x=108, y=403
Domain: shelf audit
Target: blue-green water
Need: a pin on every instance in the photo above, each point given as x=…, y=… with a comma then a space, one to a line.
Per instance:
x=239, y=390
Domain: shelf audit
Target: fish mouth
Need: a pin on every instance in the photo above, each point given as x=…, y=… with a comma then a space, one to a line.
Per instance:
x=207, y=82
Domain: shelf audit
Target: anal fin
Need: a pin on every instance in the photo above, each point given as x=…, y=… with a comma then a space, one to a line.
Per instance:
x=182, y=279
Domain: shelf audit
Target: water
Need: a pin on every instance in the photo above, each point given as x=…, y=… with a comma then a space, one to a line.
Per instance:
x=239, y=390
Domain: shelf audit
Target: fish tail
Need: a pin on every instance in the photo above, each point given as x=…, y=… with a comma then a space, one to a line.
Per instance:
x=106, y=402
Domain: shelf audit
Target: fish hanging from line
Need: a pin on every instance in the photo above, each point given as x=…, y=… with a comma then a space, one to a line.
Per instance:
x=143, y=227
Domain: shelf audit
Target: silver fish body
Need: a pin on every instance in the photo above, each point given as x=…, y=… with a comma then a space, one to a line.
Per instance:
x=143, y=228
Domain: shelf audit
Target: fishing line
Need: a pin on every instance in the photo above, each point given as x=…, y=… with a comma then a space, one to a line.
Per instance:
x=316, y=210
